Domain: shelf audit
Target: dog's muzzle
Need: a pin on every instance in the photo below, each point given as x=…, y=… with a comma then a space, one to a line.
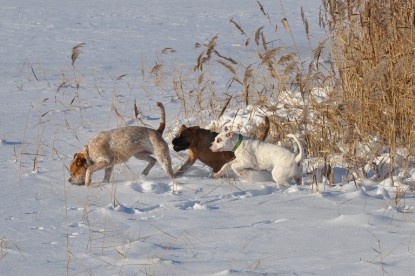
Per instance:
x=74, y=183
x=179, y=144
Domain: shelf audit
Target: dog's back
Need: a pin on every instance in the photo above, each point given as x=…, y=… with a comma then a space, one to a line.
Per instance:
x=263, y=156
x=122, y=143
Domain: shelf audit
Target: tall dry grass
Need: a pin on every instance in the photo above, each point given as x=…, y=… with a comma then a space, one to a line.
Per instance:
x=372, y=49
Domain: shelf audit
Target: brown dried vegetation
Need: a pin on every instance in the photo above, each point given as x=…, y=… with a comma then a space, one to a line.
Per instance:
x=364, y=67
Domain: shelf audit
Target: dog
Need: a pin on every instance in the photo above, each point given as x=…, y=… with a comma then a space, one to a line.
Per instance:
x=250, y=153
x=115, y=146
x=198, y=141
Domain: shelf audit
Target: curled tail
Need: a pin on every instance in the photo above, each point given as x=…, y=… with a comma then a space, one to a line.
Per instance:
x=266, y=130
x=300, y=155
x=162, y=125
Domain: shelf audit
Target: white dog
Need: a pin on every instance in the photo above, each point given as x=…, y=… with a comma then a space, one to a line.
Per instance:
x=250, y=153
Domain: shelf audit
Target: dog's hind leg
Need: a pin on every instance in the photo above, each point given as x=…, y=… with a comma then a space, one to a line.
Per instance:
x=298, y=180
x=161, y=152
x=279, y=178
x=189, y=162
x=146, y=157
x=165, y=163
x=107, y=175
x=298, y=175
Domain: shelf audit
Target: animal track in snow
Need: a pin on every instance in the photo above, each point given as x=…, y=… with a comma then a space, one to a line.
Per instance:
x=37, y=228
x=123, y=209
x=265, y=190
x=76, y=208
x=10, y=218
x=76, y=224
x=130, y=210
x=195, y=205
x=150, y=186
x=70, y=235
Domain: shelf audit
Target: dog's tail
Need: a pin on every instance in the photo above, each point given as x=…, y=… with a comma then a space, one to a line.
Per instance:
x=300, y=155
x=266, y=130
x=162, y=125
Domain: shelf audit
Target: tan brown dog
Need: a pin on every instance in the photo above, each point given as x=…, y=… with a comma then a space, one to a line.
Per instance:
x=198, y=141
x=108, y=148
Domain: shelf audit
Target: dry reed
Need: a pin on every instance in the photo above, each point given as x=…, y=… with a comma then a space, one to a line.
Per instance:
x=372, y=51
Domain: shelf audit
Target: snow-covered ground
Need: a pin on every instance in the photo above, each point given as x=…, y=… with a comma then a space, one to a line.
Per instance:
x=137, y=225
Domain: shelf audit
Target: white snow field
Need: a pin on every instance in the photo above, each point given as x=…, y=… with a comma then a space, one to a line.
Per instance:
x=138, y=225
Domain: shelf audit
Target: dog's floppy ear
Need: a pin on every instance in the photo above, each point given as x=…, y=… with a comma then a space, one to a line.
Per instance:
x=80, y=161
x=180, y=130
x=228, y=130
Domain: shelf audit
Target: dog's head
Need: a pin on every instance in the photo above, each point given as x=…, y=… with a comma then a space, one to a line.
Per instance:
x=77, y=169
x=223, y=141
x=184, y=138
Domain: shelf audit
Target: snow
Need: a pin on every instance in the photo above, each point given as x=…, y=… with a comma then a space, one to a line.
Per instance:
x=139, y=225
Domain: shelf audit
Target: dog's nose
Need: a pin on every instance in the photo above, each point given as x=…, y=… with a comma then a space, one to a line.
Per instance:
x=70, y=179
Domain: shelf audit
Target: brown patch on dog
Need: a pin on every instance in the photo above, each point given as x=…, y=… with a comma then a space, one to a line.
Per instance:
x=77, y=169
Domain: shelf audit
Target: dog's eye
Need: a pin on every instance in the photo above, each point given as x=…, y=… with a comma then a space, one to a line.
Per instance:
x=219, y=140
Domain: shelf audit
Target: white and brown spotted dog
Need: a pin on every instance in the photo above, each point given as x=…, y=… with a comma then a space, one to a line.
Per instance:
x=115, y=146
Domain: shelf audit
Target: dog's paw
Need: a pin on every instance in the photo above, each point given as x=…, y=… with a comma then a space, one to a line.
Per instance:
x=284, y=185
x=145, y=172
x=87, y=181
x=216, y=175
x=178, y=174
x=240, y=173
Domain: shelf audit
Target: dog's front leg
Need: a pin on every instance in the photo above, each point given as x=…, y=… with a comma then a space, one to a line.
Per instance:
x=222, y=170
x=97, y=166
x=238, y=168
x=189, y=162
